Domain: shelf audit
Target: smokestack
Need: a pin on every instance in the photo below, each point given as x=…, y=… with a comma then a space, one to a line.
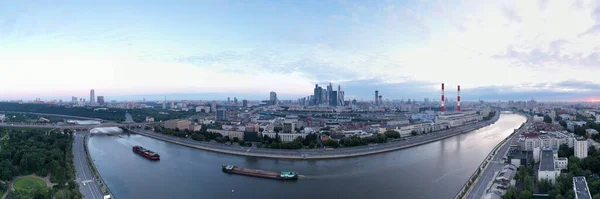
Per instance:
x=443, y=102
x=458, y=103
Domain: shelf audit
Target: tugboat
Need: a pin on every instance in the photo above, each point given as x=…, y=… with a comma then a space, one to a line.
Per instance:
x=283, y=175
x=146, y=153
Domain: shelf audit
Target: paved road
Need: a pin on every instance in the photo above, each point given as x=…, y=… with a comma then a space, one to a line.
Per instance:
x=481, y=186
x=87, y=183
x=320, y=153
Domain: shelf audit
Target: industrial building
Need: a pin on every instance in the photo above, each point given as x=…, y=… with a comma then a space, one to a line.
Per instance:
x=457, y=119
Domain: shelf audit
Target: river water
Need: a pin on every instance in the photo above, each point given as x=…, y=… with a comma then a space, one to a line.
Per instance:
x=435, y=170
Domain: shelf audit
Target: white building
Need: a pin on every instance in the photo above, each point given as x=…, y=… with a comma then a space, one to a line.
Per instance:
x=206, y=109
x=458, y=119
x=2, y=117
x=286, y=137
x=427, y=127
x=581, y=148
x=547, y=169
x=538, y=119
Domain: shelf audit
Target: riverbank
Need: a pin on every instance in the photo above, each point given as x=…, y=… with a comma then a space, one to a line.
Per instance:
x=95, y=172
x=492, y=156
x=320, y=154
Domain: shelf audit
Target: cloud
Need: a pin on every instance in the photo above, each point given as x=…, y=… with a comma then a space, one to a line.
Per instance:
x=511, y=14
x=592, y=30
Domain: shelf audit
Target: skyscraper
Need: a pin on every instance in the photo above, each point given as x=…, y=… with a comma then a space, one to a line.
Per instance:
x=329, y=94
x=245, y=103
x=92, y=96
x=235, y=100
x=273, y=97
x=376, y=97
x=165, y=103
x=334, y=100
x=172, y=104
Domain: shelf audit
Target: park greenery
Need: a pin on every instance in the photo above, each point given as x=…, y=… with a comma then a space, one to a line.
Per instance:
x=35, y=151
x=489, y=116
x=113, y=114
x=30, y=118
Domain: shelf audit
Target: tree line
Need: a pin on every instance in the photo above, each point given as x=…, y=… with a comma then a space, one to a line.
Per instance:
x=24, y=152
x=113, y=114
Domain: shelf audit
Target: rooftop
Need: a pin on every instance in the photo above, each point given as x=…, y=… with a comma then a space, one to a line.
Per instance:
x=581, y=188
x=547, y=161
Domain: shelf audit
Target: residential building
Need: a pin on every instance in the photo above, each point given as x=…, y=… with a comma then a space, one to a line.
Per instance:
x=252, y=128
x=547, y=170
x=101, y=100
x=202, y=108
x=245, y=103
x=213, y=106
x=221, y=115
x=177, y=124
x=581, y=148
x=591, y=132
x=580, y=187
x=195, y=127
x=2, y=117
x=149, y=119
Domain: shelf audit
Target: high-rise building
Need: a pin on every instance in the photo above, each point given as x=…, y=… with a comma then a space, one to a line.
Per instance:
x=334, y=100
x=323, y=97
x=376, y=97
x=213, y=106
x=288, y=127
x=235, y=100
x=273, y=98
x=316, y=95
x=73, y=99
x=581, y=148
x=228, y=100
x=165, y=103
x=92, y=96
x=221, y=115
x=101, y=100
x=172, y=104
x=245, y=103
x=329, y=94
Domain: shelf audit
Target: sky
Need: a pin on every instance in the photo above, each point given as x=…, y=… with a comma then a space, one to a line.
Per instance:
x=495, y=50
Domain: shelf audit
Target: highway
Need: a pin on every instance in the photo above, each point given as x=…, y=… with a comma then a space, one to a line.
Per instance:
x=485, y=179
x=84, y=176
x=319, y=153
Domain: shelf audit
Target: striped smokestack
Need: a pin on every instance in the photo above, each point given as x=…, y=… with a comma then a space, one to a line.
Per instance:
x=443, y=102
x=458, y=103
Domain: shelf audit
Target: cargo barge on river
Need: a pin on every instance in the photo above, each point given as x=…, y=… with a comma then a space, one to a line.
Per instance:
x=283, y=175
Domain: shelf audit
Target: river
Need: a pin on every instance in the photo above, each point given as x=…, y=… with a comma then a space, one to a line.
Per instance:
x=434, y=170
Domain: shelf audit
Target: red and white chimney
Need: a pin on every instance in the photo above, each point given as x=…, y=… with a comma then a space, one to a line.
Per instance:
x=443, y=102
x=458, y=103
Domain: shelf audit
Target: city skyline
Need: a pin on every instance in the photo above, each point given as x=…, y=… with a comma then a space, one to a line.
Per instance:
x=495, y=50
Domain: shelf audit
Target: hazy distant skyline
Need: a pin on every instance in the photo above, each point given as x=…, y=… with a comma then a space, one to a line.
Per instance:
x=543, y=49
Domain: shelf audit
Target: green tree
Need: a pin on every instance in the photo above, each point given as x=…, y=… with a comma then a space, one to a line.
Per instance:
x=545, y=186
x=510, y=193
x=528, y=183
x=392, y=134
x=525, y=194
x=413, y=133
